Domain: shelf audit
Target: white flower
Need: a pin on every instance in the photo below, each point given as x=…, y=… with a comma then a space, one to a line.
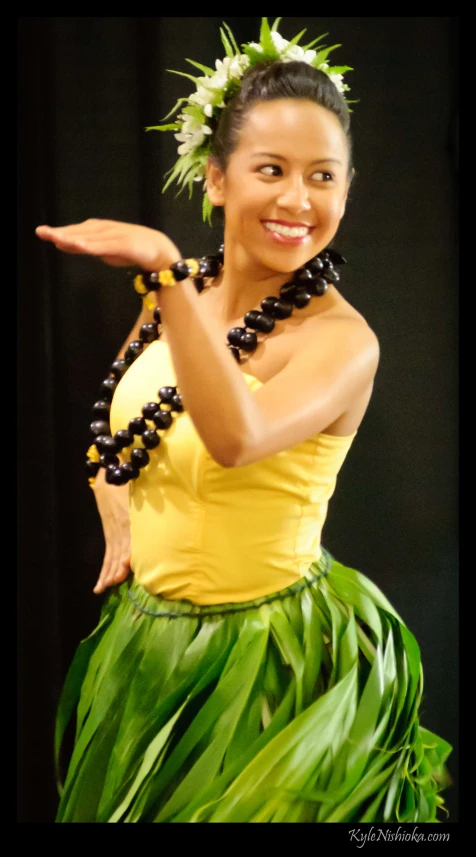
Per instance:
x=309, y=56
x=337, y=81
x=256, y=47
x=238, y=66
x=208, y=110
x=279, y=43
x=293, y=53
x=202, y=96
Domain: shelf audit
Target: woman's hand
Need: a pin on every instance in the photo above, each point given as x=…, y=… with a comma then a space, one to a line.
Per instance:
x=115, y=243
x=113, y=506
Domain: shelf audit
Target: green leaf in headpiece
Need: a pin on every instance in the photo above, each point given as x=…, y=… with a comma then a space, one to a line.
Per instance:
x=226, y=44
x=266, y=41
x=204, y=68
x=232, y=38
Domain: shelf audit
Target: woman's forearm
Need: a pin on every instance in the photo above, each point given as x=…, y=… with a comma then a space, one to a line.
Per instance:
x=212, y=386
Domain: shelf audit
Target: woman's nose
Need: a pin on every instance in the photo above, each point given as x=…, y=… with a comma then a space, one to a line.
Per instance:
x=295, y=196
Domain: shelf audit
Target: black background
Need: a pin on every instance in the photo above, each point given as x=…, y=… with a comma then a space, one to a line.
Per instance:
x=87, y=89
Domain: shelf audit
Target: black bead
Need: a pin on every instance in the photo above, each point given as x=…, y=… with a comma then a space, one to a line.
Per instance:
x=150, y=439
x=163, y=419
x=118, y=368
x=115, y=476
x=166, y=394
x=101, y=410
x=209, y=266
x=92, y=467
x=148, y=332
x=302, y=276
x=151, y=280
x=104, y=443
x=157, y=317
x=130, y=471
x=250, y=317
x=100, y=427
x=107, y=388
x=137, y=425
x=301, y=299
x=107, y=458
x=149, y=409
x=287, y=291
x=249, y=341
x=177, y=403
x=133, y=350
x=198, y=284
x=262, y=323
x=139, y=457
x=335, y=257
x=267, y=304
x=180, y=270
x=282, y=309
x=318, y=286
x=235, y=352
x=235, y=334
x=220, y=254
x=123, y=438
x=315, y=265
x=331, y=274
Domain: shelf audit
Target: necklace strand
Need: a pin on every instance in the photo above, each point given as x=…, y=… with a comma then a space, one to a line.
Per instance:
x=312, y=280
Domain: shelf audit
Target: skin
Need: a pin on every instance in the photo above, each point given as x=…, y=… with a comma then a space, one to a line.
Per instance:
x=317, y=368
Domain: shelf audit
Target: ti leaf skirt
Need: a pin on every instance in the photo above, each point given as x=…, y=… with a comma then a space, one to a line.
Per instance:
x=299, y=707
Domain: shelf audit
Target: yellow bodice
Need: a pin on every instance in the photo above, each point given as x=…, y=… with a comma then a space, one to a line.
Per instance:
x=210, y=534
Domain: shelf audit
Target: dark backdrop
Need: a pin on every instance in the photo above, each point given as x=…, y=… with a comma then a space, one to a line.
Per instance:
x=88, y=87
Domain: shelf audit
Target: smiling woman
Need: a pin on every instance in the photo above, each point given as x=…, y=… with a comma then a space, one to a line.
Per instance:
x=239, y=672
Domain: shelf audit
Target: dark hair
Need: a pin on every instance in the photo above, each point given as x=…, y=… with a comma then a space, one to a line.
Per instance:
x=268, y=82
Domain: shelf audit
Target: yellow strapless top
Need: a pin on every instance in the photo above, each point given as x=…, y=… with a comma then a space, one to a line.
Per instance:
x=210, y=534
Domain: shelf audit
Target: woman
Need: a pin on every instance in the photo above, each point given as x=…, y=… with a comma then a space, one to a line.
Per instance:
x=241, y=673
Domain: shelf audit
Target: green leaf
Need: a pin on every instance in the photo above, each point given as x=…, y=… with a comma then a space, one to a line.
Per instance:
x=253, y=55
x=314, y=42
x=174, y=126
x=184, y=74
x=207, y=209
x=204, y=68
x=226, y=44
x=296, y=38
x=176, y=107
x=265, y=39
x=232, y=38
x=275, y=25
x=339, y=69
x=322, y=55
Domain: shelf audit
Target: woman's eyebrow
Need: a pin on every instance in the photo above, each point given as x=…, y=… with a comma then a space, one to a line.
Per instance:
x=282, y=158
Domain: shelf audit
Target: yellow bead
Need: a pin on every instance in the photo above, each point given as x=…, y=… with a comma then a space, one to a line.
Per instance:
x=166, y=278
x=93, y=453
x=193, y=265
x=92, y=480
x=149, y=302
x=139, y=285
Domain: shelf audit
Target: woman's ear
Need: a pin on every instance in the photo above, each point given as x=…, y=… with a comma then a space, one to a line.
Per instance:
x=215, y=184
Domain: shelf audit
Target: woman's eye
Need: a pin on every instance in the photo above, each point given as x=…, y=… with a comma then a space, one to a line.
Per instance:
x=270, y=170
x=323, y=176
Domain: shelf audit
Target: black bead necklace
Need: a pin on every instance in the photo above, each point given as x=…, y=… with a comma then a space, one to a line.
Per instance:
x=309, y=281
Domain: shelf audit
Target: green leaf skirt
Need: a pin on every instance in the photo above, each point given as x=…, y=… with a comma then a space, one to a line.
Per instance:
x=302, y=706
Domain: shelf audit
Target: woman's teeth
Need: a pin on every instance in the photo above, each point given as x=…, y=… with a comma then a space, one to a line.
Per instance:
x=290, y=231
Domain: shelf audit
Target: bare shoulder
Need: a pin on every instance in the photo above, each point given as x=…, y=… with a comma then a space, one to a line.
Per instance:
x=347, y=328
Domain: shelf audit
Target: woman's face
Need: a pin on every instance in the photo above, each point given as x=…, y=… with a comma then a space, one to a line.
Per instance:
x=285, y=186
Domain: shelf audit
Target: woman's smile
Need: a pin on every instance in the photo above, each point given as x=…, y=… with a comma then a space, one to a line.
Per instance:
x=285, y=232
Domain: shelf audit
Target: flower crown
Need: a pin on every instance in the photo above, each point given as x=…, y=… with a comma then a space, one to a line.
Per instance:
x=197, y=120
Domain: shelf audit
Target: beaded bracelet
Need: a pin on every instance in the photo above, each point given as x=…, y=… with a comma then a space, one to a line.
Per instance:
x=152, y=281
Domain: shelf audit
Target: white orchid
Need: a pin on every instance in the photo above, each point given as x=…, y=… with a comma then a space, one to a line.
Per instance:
x=192, y=134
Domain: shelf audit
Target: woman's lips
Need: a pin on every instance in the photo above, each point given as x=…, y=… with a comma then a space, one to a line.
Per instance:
x=300, y=232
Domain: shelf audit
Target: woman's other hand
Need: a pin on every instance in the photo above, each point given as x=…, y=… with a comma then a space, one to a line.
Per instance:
x=114, y=242
x=113, y=506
